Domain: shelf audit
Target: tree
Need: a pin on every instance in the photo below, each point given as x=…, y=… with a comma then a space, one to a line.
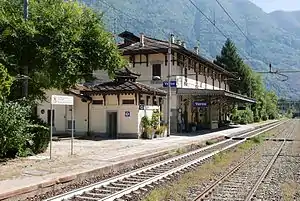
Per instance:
x=62, y=43
x=250, y=84
x=233, y=63
x=6, y=82
x=272, y=106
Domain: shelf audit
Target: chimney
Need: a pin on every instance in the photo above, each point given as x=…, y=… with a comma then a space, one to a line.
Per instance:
x=142, y=40
x=172, y=38
x=183, y=44
x=196, y=49
x=178, y=42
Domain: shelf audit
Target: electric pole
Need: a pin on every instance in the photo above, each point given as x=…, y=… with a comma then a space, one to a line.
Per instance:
x=25, y=83
x=169, y=85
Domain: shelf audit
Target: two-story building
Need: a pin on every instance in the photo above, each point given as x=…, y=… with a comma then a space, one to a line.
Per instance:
x=111, y=108
x=200, y=91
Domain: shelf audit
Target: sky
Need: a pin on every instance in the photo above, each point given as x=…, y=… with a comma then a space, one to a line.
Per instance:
x=271, y=5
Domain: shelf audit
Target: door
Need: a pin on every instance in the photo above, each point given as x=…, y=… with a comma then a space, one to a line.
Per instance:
x=112, y=125
x=49, y=117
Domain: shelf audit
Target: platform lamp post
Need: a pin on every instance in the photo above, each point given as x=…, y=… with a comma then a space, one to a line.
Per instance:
x=169, y=85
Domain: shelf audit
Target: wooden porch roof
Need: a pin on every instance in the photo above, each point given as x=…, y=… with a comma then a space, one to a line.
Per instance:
x=215, y=93
x=124, y=83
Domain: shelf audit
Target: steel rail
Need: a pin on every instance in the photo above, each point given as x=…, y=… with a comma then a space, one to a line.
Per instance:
x=153, y=178
x=266, y=170
x=249, y=197
x=216, y=183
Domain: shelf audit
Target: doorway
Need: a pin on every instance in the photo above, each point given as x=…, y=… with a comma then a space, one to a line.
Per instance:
x=49, y=117
x=112, y=125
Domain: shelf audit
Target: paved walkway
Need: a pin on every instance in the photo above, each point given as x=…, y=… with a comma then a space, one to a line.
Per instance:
x=21, y=173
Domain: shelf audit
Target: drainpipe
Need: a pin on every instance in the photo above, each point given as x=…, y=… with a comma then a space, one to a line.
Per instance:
x=88, y=118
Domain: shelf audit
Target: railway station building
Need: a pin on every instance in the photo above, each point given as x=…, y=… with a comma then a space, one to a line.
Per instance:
x=200, y=90
x=201, y=98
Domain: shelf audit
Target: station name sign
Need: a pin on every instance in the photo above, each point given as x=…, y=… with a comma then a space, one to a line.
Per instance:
x=200, y=104
x=62, y=100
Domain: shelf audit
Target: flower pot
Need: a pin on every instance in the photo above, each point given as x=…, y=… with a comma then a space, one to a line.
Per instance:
x=194, y=128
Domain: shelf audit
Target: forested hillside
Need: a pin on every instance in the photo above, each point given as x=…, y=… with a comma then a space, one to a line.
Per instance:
x=275, y=37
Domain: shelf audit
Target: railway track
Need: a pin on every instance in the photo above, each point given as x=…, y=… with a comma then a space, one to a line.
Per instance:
x=242, y=182
x=123, y=187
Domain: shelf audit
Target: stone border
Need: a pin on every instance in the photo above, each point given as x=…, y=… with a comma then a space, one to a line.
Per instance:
x=51, y=185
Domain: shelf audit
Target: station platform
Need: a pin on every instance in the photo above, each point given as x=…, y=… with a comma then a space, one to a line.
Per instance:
x=25, y=175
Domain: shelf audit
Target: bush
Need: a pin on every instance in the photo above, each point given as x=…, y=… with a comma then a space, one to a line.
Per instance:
x=14, y=137
x=243, y=116
x=40, y=138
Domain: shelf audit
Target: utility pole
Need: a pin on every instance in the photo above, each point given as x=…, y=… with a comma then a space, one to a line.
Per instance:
x=25, y=83
x=169, y=85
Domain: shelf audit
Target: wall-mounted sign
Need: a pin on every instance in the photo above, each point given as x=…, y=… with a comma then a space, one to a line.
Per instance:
x=62, y=100
x=200, y=104
x=127, y=113
x=172, y=83
x=141, y=107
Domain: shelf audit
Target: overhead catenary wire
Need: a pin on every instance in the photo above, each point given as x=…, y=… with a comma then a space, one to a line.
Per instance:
x=139, y=21
x=278, y=71
x=142, y=23
x=214, y=24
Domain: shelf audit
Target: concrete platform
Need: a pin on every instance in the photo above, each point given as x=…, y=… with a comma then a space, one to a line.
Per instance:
x=91, y=158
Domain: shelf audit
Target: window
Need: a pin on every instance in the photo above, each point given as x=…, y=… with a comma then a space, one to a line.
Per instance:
x=70, y=124
x=128, y=102
x=156, y=70
x=97, y=102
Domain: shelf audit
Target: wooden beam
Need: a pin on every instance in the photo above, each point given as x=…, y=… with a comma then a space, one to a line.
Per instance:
x=104, y=99
x=147, y=60
x=136, y=99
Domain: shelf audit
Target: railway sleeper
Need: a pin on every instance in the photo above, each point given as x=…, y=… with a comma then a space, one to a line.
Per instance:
x=129, y=182
x=101, y=190
x=130, y=179
x=120, y=185
x=141, y=177
x=149, y=174
x=114, y=188
x=97, y=194
x=85, y=198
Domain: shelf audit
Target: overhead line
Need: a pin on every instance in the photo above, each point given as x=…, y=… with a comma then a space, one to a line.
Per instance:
x=239, y=28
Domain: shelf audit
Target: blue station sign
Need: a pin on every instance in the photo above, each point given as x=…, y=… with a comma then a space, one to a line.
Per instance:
x=172, y=83
x=200, y=104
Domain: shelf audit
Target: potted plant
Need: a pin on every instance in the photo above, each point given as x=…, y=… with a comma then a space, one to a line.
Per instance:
x=155, y=122
x=162, y=130
x=146, y=125
x=193, y=126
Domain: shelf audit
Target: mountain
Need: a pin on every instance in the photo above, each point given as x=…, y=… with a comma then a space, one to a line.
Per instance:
x=274, y=37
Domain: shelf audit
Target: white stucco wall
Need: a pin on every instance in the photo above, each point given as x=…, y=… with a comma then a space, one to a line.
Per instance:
x=125, y=124
x=59, y=114
x=63, y=113
x=98, y=114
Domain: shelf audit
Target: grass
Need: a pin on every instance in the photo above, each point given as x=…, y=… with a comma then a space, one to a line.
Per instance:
x=177, y=191
x=290, y=190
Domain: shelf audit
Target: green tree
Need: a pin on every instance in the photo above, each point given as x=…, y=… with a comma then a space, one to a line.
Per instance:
x=233, y=63
x=272, y=106
x=6, y=82
x=250, y=84
x=61, y=43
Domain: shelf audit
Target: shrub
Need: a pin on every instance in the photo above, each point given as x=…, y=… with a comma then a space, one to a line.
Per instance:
x=243, y=116
x=14, y=137
x=40, y=137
